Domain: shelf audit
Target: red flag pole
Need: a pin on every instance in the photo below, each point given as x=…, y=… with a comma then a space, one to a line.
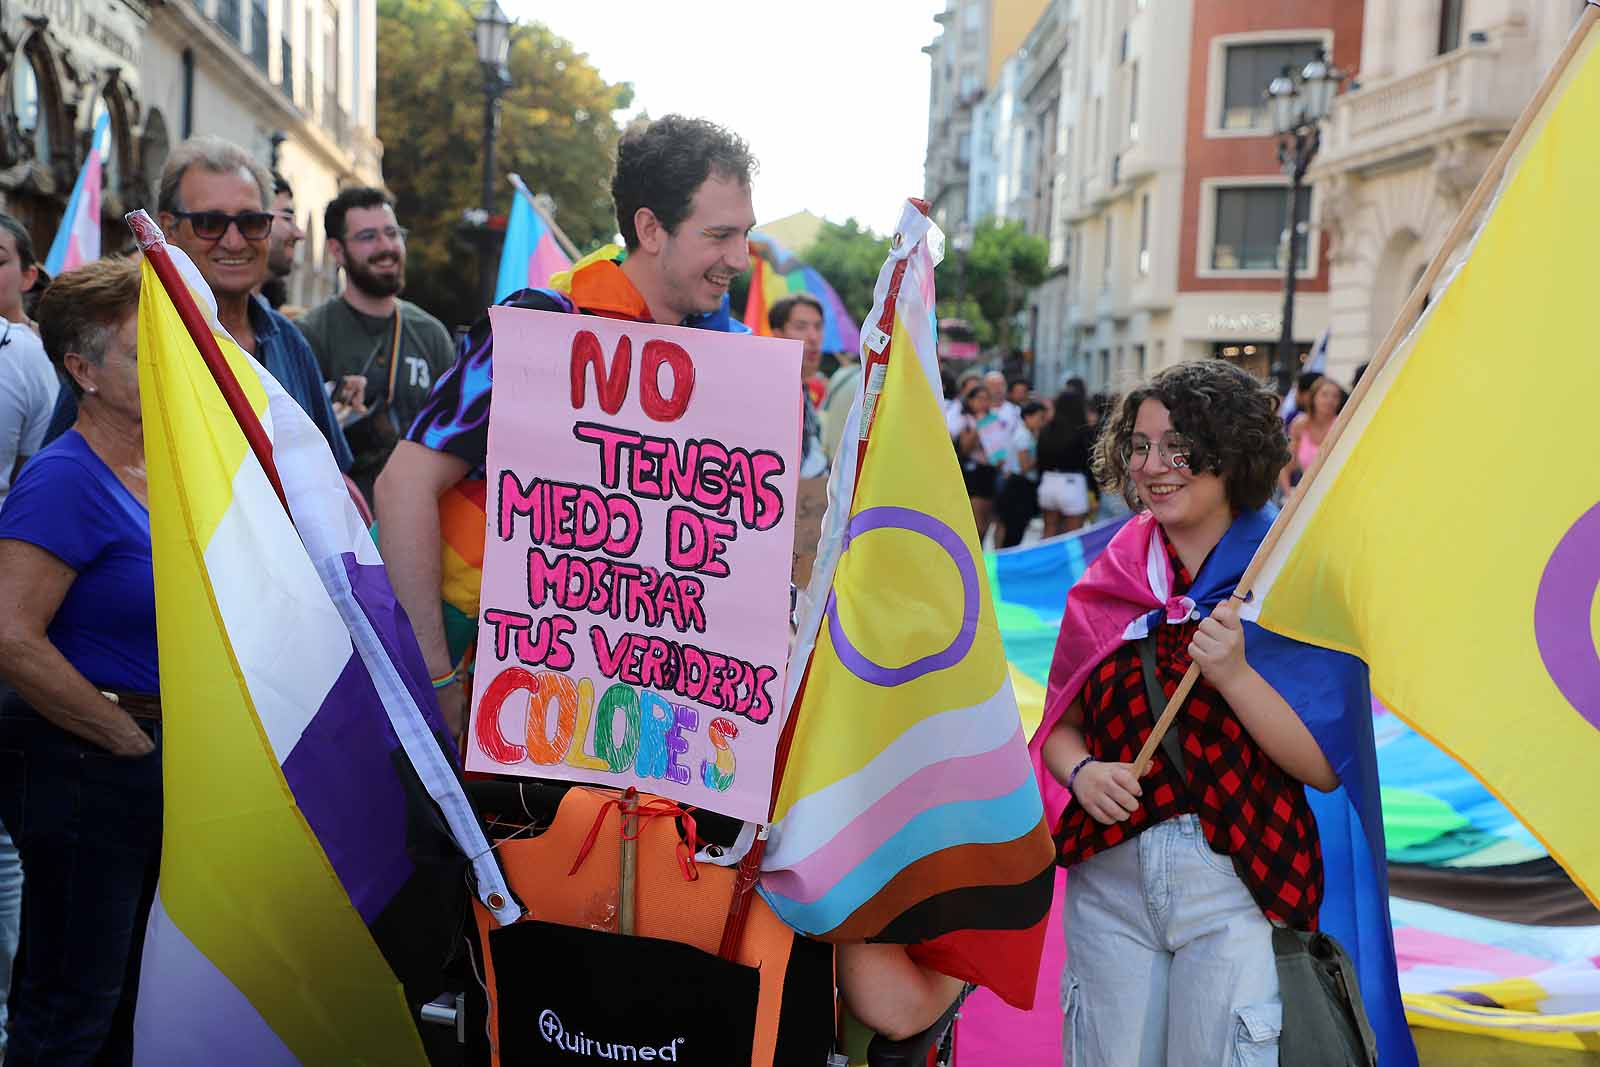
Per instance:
x=750, y=866
x=154, y=246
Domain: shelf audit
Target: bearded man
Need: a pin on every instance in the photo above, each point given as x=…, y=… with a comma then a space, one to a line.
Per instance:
x=382, y=353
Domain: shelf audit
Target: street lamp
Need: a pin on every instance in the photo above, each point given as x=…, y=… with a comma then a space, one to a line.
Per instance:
x=1298, y=102
x=492, y=33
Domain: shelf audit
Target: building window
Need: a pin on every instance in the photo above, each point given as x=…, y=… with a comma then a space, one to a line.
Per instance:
x=1105, y=258
x=1144, y=235
x=1449, y=25
x=228, y=13
x=1122, y=50
x=1248, y=70
x=258, y=33
x=28, y=105
x=1249, y=227
x=964, y=147
x=1133, y=102
x=973, y=16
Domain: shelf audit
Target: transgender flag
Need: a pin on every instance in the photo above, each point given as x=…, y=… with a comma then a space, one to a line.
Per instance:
x=530, y=254
x=315, y=833
x=78, y=239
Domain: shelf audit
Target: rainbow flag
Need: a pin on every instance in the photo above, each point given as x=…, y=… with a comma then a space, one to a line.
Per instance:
x=77, y=239
x=530, y=254
x=774, y=274
x=908, y=810
x=315, y=834
x=1480, y=624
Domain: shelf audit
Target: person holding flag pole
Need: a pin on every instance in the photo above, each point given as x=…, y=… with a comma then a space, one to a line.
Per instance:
x=1438, y=648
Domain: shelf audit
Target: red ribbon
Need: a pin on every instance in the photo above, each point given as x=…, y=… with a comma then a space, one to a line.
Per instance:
x=655, y=808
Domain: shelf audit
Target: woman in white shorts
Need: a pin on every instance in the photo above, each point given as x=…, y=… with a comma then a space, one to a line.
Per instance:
x=1064, y=445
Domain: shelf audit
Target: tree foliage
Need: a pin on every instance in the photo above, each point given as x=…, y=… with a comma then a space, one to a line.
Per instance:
x=557, y=130
x=1002, y=263
x=849, y=256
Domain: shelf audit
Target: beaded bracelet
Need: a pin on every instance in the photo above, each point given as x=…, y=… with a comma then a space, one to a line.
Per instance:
x=1073, y=777
x=444, y=680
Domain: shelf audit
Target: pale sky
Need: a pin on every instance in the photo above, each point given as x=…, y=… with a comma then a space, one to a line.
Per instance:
x=831, y=94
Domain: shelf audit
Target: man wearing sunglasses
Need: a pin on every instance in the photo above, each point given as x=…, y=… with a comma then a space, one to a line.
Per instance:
x=382, y=353
x=213, y=201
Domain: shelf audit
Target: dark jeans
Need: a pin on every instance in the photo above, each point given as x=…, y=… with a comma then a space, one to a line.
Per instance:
x=1018, y=504
x=88, y=827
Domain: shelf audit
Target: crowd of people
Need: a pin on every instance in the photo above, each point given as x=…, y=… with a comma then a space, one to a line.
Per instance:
x=405, y=413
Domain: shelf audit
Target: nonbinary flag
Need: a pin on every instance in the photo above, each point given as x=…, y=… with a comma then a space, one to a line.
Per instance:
x=1481, y=622
x=908, y=810
x=77, y=239
x=315, y=834
x=530, y=254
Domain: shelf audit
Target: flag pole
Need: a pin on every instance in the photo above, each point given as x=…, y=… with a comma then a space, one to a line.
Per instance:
x=872, y=386
x=1465, y=222
x=154, y=246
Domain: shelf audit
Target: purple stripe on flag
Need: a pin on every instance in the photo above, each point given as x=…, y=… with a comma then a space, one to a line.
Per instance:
x=345, y=769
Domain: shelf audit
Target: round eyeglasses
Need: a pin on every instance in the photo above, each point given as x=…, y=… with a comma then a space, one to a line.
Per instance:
x=1174, y=448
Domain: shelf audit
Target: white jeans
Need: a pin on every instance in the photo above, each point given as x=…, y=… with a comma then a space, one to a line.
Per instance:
x=1169, y=961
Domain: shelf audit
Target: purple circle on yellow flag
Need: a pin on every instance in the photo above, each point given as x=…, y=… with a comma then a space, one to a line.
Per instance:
x=1561, y=616
x=894, y=518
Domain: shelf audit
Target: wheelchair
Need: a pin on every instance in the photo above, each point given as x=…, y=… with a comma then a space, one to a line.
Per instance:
x=454, y=1024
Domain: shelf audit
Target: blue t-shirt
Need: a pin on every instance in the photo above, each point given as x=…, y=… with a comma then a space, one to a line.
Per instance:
x=67, y=502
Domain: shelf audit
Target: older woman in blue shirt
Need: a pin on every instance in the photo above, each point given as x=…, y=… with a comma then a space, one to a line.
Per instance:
x=80, y=770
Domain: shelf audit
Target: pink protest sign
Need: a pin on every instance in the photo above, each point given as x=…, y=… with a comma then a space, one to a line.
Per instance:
x=634, y=620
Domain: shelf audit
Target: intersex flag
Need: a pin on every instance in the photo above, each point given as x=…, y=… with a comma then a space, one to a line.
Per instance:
x=530, y=255
x=1480, y=622
x=775, y=273
x=77, y=239
x=315, y=834
x=908, y=810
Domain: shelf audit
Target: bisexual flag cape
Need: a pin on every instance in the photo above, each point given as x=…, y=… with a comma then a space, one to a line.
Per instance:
x=1125, y=592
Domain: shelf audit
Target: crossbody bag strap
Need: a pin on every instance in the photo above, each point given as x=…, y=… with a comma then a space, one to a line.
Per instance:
x=1157, y=698
x=394, y=354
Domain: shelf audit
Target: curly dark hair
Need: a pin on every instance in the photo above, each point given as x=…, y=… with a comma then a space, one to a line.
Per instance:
x=1230, y=419
x=660, y=165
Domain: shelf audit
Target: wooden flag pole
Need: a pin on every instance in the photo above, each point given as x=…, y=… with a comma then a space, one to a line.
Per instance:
x=1463, y=226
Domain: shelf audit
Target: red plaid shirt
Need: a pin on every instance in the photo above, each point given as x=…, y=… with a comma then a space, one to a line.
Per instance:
x=1248, y=807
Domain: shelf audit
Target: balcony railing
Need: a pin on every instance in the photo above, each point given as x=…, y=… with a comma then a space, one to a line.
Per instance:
x=1479, y=83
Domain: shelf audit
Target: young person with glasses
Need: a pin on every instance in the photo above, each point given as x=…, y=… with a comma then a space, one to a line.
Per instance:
x=213, y=201
x=381, y=353
x=1178, y=876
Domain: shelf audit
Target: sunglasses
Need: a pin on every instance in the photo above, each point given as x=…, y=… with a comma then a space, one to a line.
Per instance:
x=211, y=225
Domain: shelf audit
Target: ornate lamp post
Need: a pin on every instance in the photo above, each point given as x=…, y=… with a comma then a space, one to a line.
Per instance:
x=1298, y=102
x=492, y=34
